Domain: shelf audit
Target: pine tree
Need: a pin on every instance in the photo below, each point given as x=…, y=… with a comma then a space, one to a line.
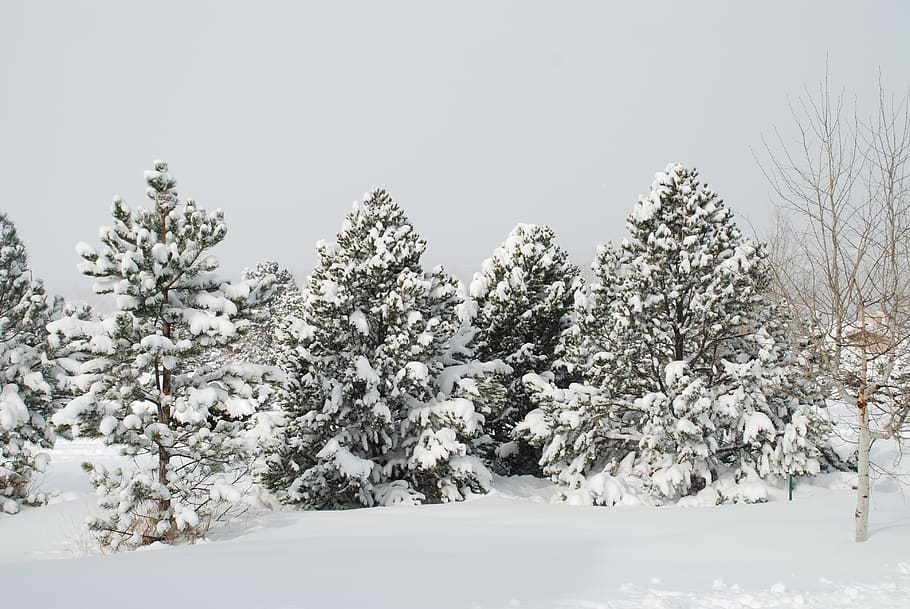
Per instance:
x=688, y=356
x=581, y=427
x=520, y=304
x=375, y=420
x=580, y=348
x=27, y=397
x=146, y=380
x=265, y=339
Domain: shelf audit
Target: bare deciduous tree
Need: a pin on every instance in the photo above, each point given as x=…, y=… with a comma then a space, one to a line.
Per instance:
x=842, y=256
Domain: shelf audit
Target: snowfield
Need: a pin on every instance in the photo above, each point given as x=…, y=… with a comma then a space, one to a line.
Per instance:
x=512, y=548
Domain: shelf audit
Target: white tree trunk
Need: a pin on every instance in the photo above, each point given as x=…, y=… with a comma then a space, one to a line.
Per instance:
x=862, y=499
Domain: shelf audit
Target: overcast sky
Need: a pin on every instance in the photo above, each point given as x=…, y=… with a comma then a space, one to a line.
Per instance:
x=474, y=115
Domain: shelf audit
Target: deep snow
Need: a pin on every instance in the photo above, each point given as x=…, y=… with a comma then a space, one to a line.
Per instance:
x=512, y=548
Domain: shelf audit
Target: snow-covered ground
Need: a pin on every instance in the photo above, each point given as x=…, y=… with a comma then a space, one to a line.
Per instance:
x=512, y=548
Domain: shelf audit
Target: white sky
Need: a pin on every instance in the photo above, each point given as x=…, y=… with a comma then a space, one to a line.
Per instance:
x=474, y=115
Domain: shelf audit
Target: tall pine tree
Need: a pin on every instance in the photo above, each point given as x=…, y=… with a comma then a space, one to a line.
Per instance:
x=375, y=421
x=26, y=390
x=520, y=303
x=147, y=381
x=688, y=374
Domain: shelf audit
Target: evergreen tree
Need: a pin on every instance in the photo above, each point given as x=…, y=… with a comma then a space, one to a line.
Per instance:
x=376, y=419
x=265, y=339
x=686, y=357
x=144, y=373
x=578, y=424
x=26, y=392
x=520, y=304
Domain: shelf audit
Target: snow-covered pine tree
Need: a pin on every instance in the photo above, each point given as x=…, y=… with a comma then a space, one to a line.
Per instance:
x=576, y=422
x=711, y=341
x=265, y=339
x=520, y=303
x=273, y=338
x=375, y=422
x=146, y=381
x=26, y=390
x=687, y=356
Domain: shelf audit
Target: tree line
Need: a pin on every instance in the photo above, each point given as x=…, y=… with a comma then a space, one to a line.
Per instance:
x=692, y=366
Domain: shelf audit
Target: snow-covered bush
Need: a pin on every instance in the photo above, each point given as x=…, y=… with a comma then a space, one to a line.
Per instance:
x=519, y=303
x=383, y=411
x=26, y=382
x=685, y=366
x=144, y=374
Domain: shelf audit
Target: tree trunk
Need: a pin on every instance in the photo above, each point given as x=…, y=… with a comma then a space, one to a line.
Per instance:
x=164, y=406
x=862, y=499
